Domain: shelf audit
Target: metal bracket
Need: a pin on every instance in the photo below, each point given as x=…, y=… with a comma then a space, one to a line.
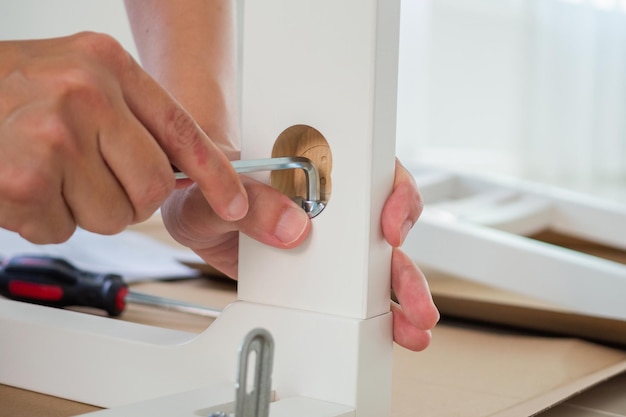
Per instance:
x=258, y=346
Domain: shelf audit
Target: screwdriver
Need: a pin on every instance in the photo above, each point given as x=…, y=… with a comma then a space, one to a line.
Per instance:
x=55, y=282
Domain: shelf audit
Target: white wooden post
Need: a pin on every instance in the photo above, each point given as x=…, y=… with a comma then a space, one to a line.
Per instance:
x=327, y=64
x=331, y=65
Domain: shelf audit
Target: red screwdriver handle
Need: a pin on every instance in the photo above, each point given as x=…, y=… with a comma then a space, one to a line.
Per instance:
x=55, y=282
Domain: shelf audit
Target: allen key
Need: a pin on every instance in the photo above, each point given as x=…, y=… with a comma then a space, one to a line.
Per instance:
x=312, y=204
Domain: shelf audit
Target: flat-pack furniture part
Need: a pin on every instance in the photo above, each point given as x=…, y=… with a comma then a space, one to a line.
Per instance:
x=328, y=66
x=486, y=230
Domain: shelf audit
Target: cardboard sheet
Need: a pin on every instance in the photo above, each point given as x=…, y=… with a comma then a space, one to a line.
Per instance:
x=478, y=372
x=604, y=400
x=459, y=298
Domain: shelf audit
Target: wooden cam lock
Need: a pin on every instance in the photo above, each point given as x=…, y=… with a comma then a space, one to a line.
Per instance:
x=307, y=142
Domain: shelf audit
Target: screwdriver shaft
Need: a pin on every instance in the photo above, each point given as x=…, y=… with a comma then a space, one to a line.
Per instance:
x=170, y=304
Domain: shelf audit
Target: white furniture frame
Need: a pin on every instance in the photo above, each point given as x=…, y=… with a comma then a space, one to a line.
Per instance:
x=329, y=64
x=481, y=229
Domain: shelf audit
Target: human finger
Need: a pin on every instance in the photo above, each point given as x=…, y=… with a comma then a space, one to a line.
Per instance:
x=137, y=165
x=71, y=142
x=67, y=110
x=406, y=334
x=402, y=208
x=273, y=219
x=191, y=221
x=51, y=181
x=184, y=142
x=411, y=290
x=31, y=206
x=114, y=173
x=30, y=180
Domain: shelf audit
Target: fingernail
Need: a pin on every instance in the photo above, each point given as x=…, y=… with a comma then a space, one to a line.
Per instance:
x=291, y=225
x=406, y=228
x=238, y=207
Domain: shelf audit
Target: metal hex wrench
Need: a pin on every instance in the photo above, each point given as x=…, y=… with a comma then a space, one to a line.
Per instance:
x=311, y=203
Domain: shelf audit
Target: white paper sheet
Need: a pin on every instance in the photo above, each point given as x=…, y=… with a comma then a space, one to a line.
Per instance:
x=130, y=254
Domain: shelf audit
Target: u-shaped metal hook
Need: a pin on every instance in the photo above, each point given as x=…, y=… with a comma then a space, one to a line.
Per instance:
x=256, y=402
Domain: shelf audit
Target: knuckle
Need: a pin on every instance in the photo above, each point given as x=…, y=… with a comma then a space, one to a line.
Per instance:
x=102, y=47
x=152, y=197
x=117, y=219
x=174, y=222
x=418, y=203
x=33, y=221
x=80, y=87
x=50, y=139
x=180, y=217
x=54, y=135
x=106, y=216
x=60, y=234
x=111, y=223
x=28, y=187
x=412, y=198
x=38, y=234
x=96, y=60
x=182, y=130
x=28, y=190
x=115, y=226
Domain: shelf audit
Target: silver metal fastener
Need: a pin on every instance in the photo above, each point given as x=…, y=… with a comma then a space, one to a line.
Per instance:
x=312, y=203
x=253, y=400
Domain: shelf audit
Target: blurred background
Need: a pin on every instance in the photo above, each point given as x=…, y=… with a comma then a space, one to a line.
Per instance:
x=529, y=88
x=534, y=89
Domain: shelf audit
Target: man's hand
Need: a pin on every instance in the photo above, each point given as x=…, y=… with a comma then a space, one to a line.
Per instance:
x=275, y=220
x=272, y=219
x=87, y=138
x=416, y=314
x=190, y=48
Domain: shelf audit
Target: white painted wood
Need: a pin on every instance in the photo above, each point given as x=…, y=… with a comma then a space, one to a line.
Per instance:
x=331, y=64
x=111, y=363
x=485, y=242
x=576, y=214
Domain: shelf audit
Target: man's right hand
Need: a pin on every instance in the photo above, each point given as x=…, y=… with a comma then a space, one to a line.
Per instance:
x=87, y=138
